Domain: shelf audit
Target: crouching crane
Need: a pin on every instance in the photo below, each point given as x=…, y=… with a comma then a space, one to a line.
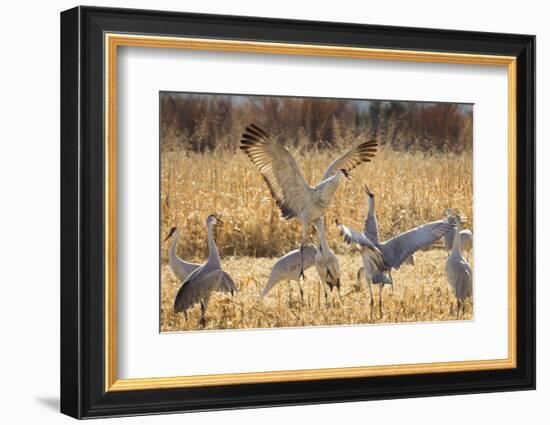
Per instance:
x=288, y=268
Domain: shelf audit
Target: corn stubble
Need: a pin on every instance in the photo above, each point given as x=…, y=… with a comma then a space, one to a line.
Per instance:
x=410, y=188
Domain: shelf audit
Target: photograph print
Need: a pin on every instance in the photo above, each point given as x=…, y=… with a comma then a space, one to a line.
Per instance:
x=279, y=212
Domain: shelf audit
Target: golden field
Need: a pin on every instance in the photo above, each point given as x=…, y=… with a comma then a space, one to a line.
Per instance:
x=411, y=189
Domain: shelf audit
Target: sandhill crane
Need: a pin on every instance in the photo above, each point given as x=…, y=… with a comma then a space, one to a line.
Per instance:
x=397, y=250
x=291, y=192
x=180, y=268
x=208, y=278
x=459, y=273
x=465, y=235
x=288, y=268
x=326, y=262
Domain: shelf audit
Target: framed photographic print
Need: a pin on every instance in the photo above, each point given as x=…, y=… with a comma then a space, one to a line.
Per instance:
x=261, y=212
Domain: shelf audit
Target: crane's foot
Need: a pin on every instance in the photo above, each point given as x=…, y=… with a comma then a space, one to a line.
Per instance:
x=202, y=322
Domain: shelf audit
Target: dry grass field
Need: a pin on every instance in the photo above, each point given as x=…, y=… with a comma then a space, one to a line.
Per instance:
x=411, y=189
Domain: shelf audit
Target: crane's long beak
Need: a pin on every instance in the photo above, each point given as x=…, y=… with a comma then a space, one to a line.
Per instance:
x=367, y=191
x=170, y=233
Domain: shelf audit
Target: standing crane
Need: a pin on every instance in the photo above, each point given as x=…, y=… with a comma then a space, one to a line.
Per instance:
x=180, y=268
x=326, y=262
x=459, y=273
x=466, y=238
x=288, y=268
x=292, y=194
x=398, y=249
x=199, y=285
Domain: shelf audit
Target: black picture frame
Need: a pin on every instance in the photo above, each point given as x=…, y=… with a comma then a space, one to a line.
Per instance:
x=82, y=218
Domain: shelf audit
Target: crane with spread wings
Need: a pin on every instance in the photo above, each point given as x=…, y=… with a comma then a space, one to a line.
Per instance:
x=395, y=251
x=292, y=194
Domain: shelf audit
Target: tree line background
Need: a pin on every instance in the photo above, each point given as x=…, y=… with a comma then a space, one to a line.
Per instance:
x=203, y=123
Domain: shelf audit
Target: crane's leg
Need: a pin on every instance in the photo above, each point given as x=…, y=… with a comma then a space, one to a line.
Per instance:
x=289, y=292
x=325, y=291
x=457, y=308
x=301, y=291
x=380, y=300
x=202, y=320
x=302, y=275
x=371, y=302
x=339, y=295
x=304, y=237
x=389, y=274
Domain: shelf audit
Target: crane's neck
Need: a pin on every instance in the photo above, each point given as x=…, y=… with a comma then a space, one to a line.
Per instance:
x=372, y=211
x=456, y=241
x=320, y=226
x=213, y=254
x=372, y=214
x=173, y=248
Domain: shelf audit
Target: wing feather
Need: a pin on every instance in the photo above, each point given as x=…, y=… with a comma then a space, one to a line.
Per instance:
x=199, y=285
x=363, y=152
x=227, y=284
x=352, y=236
x=402, y=246
x=279, y=169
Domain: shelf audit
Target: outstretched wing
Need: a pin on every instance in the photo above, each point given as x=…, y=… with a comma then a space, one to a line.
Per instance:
x=352, y=236
x=401, y=247
x=279, y=170
x=352, y=158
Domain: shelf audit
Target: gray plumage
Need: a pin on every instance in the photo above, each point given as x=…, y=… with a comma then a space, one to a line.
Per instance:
x=459, y=274
x=466, y=240
x=401, y=247
x=203, y=281
x=466, y=237
x=381, y=257
x=370, y=229
x=326, y=262
x=288, y=268
x=180, y=267
x=373, y=264
x=372, y=276
x=398, y=249
x=292, y=194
